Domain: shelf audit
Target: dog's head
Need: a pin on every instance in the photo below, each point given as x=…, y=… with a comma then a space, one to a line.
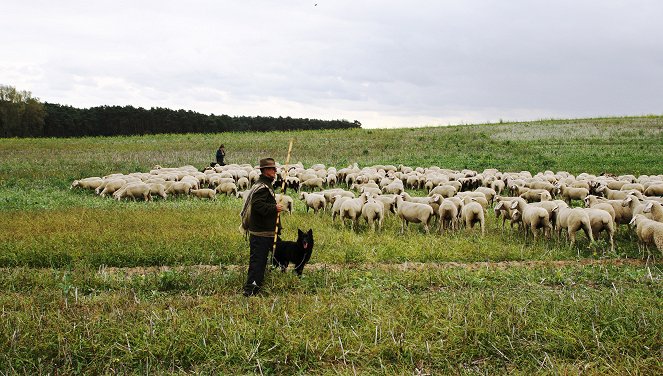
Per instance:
x=305, y=239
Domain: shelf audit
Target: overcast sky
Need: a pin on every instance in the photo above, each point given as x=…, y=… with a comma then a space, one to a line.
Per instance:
x=384, y=63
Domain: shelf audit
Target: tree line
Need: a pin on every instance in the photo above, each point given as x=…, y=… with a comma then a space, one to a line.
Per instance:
x=21, y=115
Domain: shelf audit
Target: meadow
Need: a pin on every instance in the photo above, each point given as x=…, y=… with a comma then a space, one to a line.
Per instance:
x=92, y=285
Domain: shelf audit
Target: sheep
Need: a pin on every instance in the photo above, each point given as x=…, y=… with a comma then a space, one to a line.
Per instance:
x=413, y=212
x=133, y=190
x=337, y=201
x=314, y=201
x=648, y=231
x=179, y=188
x=633, y=204
x=611, y=194
x=285, y=201
x=389, y=203
x=204, y=193
x=312, y=183
x=488, y=192
x=351, y=209
x=471, y=213
x=227, y=189
x=633, y=186
x=373, y=211
x=498, y=186
x=444, y=190
x=601, y=220
x=536, y=195
x=571, y=193
x=447, y=215
x=158, y=189
x=481, y=200
x=395, y=187
x=87, y=183
x=371, y=190
x=654, y=190
x=503, y=209
x=110, y=187
x=573, y=219
x=622, y=215
x=243, y=183
x=654, y=210
x=533, y=217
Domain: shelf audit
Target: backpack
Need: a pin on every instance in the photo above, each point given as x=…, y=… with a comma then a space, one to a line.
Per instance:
x=245, y=214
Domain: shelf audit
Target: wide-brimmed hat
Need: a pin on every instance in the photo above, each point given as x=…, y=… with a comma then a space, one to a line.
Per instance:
x=267, y=163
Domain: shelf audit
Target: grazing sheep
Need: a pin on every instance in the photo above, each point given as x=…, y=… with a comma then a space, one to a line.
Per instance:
x=481, y=200
x=373, y=211
x=314, y=201
x=371, y=190
x=134, y=191
x=179, y=188
x=654, y=210
x=395, y=187
x=536, y=195
x=110, y=187
x=622, y=215
x=158, y=189
x=444, y=190
x=533, y=217
x=204, y=193
x=337, y=201
x=329, y=193
x=488, y=192
x=498, y=186
x=472, y=212
x=447, y=215
x=285, y=201
x=312, y=183
x=600, y=221
x=611, y=194
x=649, y=232
x=572, y=219
x=654, y=190
x=243, y=183
x=633, y=186
x=227, y=189
x=413, y=212
x=503, y=209
x=389, y=203
x=87, y=183
x=571, y=193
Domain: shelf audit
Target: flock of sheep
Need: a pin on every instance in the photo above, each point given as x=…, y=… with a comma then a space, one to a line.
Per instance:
x=539, y=204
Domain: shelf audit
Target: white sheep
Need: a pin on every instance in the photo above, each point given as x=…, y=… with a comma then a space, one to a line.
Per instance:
x=447, y=215
x=158, y=189
x=533, y=217
x=444, y=190
x=204, y=193
x=572, y=193
x=285, y=201
x=134, y=191
x=600, y=221
x=314, y=201
x=179, y=188
x=654, y=210
x=87, y=183
x=654, y=190
x=337, y=201
x=536, y=195
x=312, y=183
x=649, y=232
x=373, y=211
x=573, y=219
x=227, y=189
x=472, y=212
x=351, y=209
x=110, y=187
x=413, y=212
x=243, y=183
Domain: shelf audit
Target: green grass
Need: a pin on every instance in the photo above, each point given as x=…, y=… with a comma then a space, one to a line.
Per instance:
x=92, y=285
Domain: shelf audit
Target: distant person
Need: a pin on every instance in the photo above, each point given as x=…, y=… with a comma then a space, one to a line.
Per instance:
x=220, y=155
x=262, y=225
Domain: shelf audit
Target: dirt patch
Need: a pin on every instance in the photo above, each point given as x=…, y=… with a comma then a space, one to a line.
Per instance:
x=406, y=266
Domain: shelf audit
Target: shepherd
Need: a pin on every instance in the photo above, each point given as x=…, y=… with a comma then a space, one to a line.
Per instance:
x=263, y=215
x=220, y=155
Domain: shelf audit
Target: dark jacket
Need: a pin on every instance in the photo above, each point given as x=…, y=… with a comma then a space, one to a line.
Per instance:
x=263, y=208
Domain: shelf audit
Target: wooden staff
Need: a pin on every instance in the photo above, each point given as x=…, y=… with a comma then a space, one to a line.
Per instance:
x=278, y=215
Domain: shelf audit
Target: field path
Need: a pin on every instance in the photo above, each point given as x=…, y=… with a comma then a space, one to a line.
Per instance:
x=406, y=266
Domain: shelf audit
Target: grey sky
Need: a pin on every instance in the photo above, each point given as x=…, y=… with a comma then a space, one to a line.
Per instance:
x=384, y=63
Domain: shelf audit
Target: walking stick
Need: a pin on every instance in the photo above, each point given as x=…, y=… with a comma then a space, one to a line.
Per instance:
x=278, y=215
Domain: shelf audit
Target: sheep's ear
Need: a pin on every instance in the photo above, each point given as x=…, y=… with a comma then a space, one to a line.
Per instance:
x=499, y=205
x=514, y=204
x=648, y=207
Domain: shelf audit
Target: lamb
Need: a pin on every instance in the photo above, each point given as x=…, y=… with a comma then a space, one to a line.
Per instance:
x=532, y=217
x=601, y=220
x=413, y=212
x=204, y=193
x=227, y=189
x=133, y=190
x=285, y=201
x=472, y=212
x=373, y=211
x=571, y=193
x=573, y=219
x=447, y=214
x=654, y=210
x=351, y=209
x=649, y=232
x=314, y=201
x=87, y=183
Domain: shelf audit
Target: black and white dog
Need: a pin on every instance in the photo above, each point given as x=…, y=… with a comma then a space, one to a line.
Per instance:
x=297, y=252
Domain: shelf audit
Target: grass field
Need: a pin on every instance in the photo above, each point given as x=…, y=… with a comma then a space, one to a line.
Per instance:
x=90, y=285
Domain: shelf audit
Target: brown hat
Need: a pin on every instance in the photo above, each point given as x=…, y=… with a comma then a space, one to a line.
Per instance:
x=267, y=163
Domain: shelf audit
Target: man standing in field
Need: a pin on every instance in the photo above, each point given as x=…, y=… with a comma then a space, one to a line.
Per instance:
x=262, y=224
